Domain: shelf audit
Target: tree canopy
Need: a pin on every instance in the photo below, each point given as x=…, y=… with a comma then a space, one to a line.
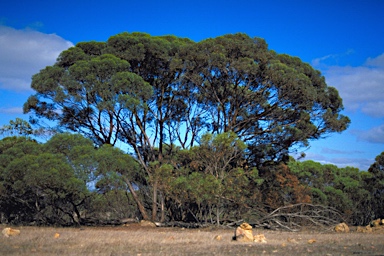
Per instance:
x=150, y=91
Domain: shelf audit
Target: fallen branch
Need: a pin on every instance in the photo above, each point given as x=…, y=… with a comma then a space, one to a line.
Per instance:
x=293, y=217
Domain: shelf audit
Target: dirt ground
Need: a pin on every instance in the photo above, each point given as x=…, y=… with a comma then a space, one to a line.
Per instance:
x=138, y=241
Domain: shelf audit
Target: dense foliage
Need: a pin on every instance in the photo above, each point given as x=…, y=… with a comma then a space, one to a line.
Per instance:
x=68, y=181
x=151, y=92
x=206, y=128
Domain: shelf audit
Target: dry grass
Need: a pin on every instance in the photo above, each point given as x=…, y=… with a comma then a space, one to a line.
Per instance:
x=134, y=240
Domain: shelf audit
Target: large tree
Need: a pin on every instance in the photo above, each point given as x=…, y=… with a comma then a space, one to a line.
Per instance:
x=153, y=93
x=150, y=91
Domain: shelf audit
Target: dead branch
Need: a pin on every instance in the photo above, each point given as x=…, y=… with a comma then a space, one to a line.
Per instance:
x=294, y=217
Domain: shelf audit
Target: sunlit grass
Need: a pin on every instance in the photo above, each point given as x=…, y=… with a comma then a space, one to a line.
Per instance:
x=134, y=240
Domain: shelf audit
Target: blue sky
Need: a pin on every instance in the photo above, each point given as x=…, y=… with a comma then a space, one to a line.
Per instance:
x=342, y=39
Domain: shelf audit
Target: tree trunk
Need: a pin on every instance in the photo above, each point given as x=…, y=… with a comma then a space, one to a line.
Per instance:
x=137, y=200
x=218, y=216
x=162, y=219
x=154, y=202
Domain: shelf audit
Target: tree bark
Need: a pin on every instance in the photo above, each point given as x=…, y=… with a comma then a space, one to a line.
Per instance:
x=162, y=219
x=137, y=200
x=154, y=202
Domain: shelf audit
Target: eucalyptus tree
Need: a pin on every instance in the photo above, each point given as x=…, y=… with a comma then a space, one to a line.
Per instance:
x=36, y=185
x=123, y=168
x=155, y=92
x=11, y=205
x=341, y=188
x=148, y=131
x=150, y=91
x=87, y=94
x=153, y=58
x=18, y=127
x=119, y=90
x=220, y=158
x=210, y=182
x=79, y=153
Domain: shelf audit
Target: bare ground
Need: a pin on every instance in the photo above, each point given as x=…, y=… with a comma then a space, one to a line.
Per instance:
x=135, y=240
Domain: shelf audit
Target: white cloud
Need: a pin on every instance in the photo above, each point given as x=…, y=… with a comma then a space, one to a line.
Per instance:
x=376, y=62
x=24, y=53
x=12, y=110
x=360, y=163
x=330, y=59
x=341, y=162
x=361, y=88
x=340, y=152
x=319, y=61
x=373, y=135
x=374, y=108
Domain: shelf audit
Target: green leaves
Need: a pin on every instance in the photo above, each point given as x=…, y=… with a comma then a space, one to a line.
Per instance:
x=97, y=71
x=375, y=184
x=69, y=57
x=342, y=188
x=78, y=152
x=47, y=80
x=40, y=183
x=218, y=154
x=133, y=90
x=135, y=85
x=86, y=92
x=111, y=159
x=18, y=127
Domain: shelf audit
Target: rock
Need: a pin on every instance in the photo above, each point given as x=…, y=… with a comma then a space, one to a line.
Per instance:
x=147, y=223
x=361, y=229
x=342, y=228
x=260, y=238
x=366, y=229
x=243, y=233
x=246, y=226
x=292, y=240
x=218, y=237
x=7, y=232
